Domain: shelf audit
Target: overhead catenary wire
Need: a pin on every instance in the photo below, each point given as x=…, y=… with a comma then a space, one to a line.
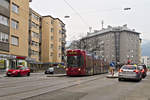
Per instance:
x=77, y=13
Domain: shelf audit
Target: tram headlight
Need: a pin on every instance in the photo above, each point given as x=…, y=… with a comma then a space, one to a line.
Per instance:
x=66, y=69
x=79, y=69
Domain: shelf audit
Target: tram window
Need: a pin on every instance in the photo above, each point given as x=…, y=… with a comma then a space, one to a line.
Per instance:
x=75, y=61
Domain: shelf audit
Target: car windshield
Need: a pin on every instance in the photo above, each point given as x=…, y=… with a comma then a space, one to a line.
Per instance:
x=75, y=61
x=129, y=67
x=19, y=68
x=140, y=67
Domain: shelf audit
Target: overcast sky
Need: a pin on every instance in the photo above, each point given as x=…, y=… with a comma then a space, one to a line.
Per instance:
x=94, y=11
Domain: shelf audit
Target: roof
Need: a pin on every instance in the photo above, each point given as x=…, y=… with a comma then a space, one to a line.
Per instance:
x=49, y=16
x=110, y=29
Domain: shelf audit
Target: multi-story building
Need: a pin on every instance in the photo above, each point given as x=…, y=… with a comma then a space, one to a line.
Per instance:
x=118, y=44
x=53, y=40
x=47, y=45
x=25, y=34
x=14, y=16
x=145, y=60
x=34, y=35
x=4, y=26
x=59, y=40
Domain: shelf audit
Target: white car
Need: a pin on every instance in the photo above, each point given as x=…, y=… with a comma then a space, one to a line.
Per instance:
x=130, y=72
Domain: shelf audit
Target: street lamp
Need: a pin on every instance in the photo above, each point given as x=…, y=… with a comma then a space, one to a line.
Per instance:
x=66, y=16
x=127, y=9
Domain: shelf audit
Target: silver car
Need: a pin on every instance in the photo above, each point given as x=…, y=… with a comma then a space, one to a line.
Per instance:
x=130, y=72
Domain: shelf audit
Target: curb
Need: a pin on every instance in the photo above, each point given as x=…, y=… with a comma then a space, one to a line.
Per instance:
x=56, y=75
x=110, y=76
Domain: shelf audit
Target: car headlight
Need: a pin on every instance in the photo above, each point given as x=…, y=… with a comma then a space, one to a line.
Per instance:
x=14, y=71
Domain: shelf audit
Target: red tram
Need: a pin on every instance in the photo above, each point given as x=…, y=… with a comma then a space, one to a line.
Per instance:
x=81, y=63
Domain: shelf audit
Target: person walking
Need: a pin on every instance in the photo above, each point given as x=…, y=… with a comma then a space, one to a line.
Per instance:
x=112, y=68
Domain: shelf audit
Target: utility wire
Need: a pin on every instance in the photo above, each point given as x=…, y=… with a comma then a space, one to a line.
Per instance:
x=77, y=13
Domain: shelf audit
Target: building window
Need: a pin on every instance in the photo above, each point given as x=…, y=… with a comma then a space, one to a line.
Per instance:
x=52, y=22
x=59, y=47
x=14, y=24
x=35, y=35
x=52, y=29
x=52, y=37
x=3, y=20
x=35, y=17
x=3, y=37
x=15, y=8
x=35, y=25
x=14, y=40
x=36, y=53
x=59, y=39
x=4, y=3
x=52, y=46
x=33, y=43
x=60, y=31
x=51, y=54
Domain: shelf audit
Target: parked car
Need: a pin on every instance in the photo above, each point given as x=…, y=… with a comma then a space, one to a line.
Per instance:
x=50, y=71
x=18, y=71
x=130, y=72
x=143, y=70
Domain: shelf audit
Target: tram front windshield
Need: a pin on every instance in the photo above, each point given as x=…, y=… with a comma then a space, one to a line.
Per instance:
x=75, y=61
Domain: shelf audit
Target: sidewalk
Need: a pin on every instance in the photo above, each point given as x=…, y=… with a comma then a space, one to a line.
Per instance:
x=56, y=75
x=2, y=75
x=115, y=75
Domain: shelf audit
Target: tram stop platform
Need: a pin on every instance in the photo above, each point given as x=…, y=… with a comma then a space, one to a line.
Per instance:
x=114, y=76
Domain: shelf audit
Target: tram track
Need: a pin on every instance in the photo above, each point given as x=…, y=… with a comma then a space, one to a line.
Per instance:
x=70, y=81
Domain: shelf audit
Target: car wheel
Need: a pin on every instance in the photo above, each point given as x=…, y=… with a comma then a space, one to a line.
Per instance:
x=7, y=75
x=28, y=74
x=143, y=76
x=19, y=74
x=119, y=79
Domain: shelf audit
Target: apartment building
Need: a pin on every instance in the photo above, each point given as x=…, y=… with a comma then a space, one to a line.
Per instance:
x=4, y=26
x=58, y=40
x=118, y=44
x=14, y=16
x=53, y=40
x=145, y=60
x=34, y=35
x=26, y=35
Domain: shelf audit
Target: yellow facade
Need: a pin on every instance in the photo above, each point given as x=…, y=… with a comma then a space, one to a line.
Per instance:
x=47, y=50
x=51, y=47
x=57, y=41
x=34, y=18
x=46, y=46
x=21, y=33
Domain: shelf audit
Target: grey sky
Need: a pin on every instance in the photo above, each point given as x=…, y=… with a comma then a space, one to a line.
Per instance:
x=94, y=11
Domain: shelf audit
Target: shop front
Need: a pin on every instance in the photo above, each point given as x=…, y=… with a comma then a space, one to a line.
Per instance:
x=11, y=61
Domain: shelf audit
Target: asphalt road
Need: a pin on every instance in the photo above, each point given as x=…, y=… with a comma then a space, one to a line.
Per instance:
x=98, y=87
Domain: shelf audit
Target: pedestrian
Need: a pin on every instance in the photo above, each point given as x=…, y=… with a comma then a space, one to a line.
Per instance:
x=112, y=68
x=128, y=62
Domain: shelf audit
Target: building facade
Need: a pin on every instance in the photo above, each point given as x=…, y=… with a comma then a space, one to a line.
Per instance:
x=145, y=60
x=34, y=35
x=53, y=40
x=14, y=16
x=26, y=35
x=118, y=44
